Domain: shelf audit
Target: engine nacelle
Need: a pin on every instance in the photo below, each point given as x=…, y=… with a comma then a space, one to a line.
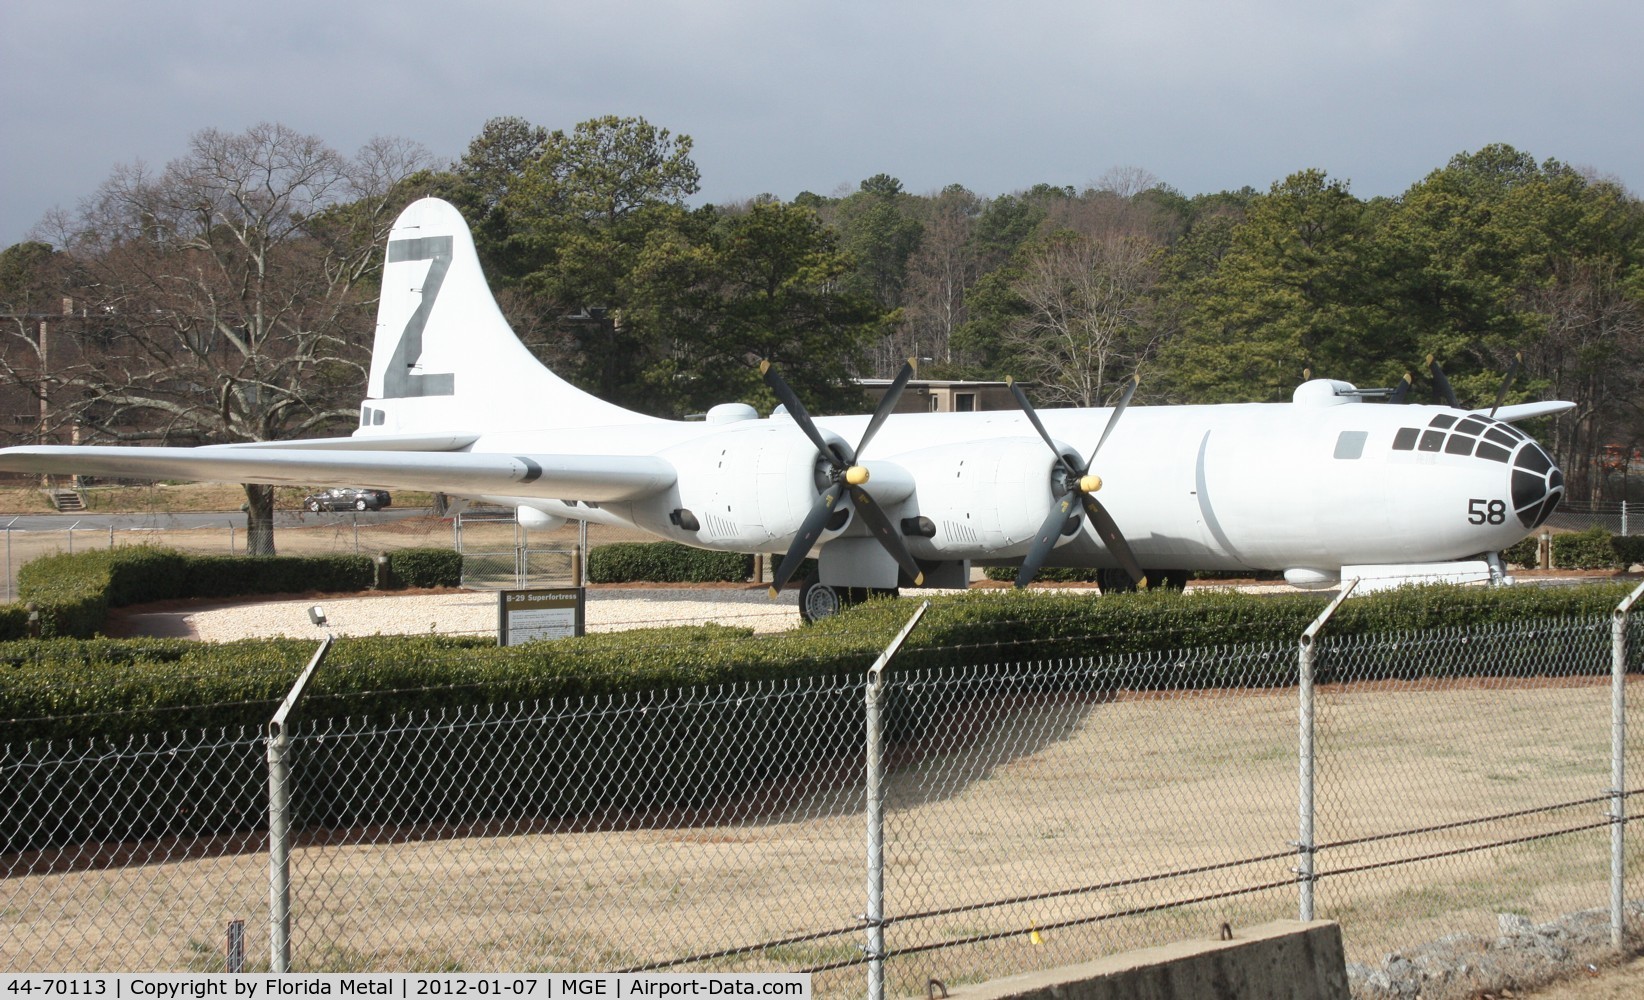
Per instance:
x=746, y=489
x=537, y=520
x=983, y=499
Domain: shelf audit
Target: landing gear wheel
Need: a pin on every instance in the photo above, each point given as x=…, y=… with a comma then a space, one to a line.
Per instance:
x=1115, y=581
x=817, y=600
x=1168, y=579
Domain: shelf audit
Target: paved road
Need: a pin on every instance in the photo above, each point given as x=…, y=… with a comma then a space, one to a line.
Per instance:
x=205, y=519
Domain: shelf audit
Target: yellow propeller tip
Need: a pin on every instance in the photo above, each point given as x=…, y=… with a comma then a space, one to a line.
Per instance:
x=774, y=594
x=919, y=581
x=764, y=366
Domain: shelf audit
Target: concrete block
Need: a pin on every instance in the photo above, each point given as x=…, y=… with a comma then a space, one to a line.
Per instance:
x=1282, y=960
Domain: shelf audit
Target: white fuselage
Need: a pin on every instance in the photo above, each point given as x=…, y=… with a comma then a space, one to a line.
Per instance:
x=1317, y=484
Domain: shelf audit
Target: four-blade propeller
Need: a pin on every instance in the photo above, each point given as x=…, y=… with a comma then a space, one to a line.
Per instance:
x=1443, y=392
x=847, y=479
x=1078, y=487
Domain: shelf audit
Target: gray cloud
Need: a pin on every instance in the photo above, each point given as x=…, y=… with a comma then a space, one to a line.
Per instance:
x=785, y=97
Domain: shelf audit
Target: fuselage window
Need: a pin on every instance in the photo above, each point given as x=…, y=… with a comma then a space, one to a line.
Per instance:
x=377, y=417
x=1432, y=440
x=1405, y=439
x=1351, y=444
x=1459, y=444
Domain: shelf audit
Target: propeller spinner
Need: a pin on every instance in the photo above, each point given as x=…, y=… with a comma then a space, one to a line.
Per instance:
x=848, y=479
x=1078, y=498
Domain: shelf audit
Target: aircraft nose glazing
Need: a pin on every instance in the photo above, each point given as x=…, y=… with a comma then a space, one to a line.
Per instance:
x=1537, y=485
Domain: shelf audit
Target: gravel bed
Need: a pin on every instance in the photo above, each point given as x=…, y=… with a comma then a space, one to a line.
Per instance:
x=475, y=613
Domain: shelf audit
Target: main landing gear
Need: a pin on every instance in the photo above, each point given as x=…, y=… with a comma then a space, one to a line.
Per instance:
x=818, y=600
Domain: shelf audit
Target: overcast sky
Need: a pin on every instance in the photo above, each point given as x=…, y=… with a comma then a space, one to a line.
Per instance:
x=784, y=96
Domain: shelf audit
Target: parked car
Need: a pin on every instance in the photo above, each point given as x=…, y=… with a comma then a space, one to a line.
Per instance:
x=347, y=498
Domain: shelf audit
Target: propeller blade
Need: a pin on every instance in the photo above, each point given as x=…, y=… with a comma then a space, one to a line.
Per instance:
x=1403, y=390
x=797, y=411
x=1441, y=384
x=1033, y=418
x=1113, y=419
x=886, y=532
x=886, y=405
x=1113, y=538
x=809, y=531
x=1045, y=540
x=1507, y=383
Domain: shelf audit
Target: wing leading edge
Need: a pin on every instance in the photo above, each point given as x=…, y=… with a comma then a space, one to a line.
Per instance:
x=597, y=478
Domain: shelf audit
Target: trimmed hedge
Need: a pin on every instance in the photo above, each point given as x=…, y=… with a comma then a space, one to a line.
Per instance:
x=665, y=562
x=1046, y=574
x=1594, y=548
x=64, y=688
x=423, y=568
x=73, y=592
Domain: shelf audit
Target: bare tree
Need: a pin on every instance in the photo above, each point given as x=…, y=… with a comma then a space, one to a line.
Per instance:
x=236, y=284
x=1088, y=302
x=1592, y=351
x=939, y=273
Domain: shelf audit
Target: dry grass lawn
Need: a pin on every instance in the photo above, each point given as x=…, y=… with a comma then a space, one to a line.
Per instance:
x=1142, y=803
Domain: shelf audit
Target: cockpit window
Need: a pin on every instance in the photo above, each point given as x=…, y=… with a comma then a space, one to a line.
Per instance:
x=1465, y=439
x=1351, y=444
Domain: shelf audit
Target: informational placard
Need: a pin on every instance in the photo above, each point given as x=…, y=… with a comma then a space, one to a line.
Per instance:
x=529, y=615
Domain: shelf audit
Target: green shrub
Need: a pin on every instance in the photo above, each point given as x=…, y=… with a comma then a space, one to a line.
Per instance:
x=665, y=562
x=1590, y=549
x=1526, y=552
x=1629, y=549
x=423, y=568
x=1047, y=574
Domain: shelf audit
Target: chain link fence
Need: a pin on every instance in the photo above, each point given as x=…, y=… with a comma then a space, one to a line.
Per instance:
x=955, y=824
x=1618, y=518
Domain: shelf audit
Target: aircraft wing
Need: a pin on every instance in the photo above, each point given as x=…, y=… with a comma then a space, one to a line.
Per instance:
x=1524, y=411
x=596, y=478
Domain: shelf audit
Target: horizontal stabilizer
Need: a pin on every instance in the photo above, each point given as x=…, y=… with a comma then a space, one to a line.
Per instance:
x=596, y=478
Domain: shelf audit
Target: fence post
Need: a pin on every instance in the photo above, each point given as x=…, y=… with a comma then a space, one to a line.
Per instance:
x=1307, y=657
x=1618, y=765
x=279, y=820
x=874, y=918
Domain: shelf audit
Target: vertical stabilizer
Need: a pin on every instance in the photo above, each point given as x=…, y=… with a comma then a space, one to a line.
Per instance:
x=444, y=358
